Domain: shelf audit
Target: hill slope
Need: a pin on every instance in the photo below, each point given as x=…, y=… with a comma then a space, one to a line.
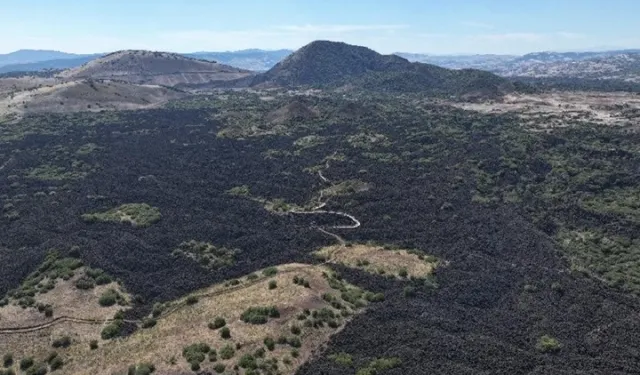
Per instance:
x=86, y=95
x=324, y=63
x=160, y=68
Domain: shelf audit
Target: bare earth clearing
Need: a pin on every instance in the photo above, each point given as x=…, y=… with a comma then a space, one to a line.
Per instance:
x=559, y=109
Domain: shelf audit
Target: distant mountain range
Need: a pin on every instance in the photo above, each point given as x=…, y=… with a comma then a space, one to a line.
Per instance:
x=618, y=64
x=35, y=60
x=615, y=64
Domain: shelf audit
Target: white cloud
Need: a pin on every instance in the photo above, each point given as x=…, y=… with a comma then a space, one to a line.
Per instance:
x=478, y=25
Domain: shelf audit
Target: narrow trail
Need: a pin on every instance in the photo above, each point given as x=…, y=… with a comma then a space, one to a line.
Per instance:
x=166, y=313
x=317, y=210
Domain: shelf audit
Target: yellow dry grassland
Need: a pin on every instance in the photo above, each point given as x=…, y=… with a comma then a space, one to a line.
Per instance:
x=378, y=260
x=308, y=298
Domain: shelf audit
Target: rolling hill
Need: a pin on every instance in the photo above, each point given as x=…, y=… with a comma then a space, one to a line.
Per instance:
x=160, y=68
x=335, y=64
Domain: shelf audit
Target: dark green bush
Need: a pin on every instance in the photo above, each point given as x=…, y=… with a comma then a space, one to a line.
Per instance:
x=56, y=363
x=7, y=360
x=247, y=361
x=26, y=363
x=227, y=352
x=272, y=284
x=225, y=333
x=196, y=353
x=271, y=271
x=111, y=330
x=218, y=322
x=403, y=272
x=93, y=345
x=141, y=369
x=149, y=323
x=37, y=370
x=109, y=298
x=219, y=368
x=259, y=315
x=62, y=342
x=269, y=343
x=295, y=329
x=192, y=300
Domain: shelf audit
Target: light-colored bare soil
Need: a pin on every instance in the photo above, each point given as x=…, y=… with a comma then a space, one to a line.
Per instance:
x=85, y=96
x=558, y=109
x=66, y=300
x=376, y=259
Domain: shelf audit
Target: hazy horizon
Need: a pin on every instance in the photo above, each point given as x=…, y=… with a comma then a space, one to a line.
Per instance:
x=438, y=27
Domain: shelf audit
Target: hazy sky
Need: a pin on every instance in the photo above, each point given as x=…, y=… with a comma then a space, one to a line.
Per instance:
x=428, y=26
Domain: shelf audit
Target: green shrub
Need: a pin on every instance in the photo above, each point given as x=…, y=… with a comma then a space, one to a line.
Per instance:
x=225, y=333
x=295, y=329
x=62, y=342
x=219, y=368
x=259, y=315
x=56, y=363
x=213, y=355
x=218, y=322
x=548, y=344
x=409, y=292
x=7, y=360
x=403, y=272
x=196, y=353
x=247, y=361
x=149, y=323
x=51, y=356
x=158, y=308
x=294, y=342
x=26, y=363
x=109, y=298
x=295, y=353
x=111, y=330
x=195, y=366
x=93, y=345
x=271, y=271
x=103, y=279
x=192, y=300
x=141, y=369
x=272, y=284
x=342, y=359
x=227, y=352
x=37, y=370
x=378, y=365
x=269, y=343
x=85, y=283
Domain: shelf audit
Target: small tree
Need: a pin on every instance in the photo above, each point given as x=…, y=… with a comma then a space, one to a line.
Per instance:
x=225, y=333
x=272, y=284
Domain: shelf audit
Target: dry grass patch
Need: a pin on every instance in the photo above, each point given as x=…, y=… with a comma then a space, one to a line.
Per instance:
x=306, y=319
x=377, y=259
x=66, y=300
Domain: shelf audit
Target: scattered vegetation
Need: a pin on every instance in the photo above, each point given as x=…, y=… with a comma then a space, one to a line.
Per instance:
x=136, y=214
x=206, y=254
x=259, y=315
x=548, y=344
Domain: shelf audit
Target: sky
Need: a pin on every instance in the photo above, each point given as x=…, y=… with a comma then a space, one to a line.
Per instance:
x=419, y=26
